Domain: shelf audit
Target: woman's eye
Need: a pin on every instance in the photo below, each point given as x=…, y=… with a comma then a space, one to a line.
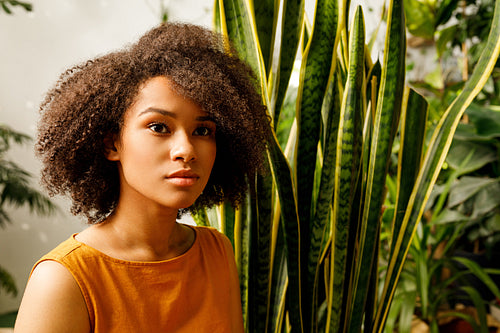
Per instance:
x=159, y=128
x=203, y=131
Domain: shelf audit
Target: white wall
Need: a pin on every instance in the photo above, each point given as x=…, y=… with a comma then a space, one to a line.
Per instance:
x=34, y=49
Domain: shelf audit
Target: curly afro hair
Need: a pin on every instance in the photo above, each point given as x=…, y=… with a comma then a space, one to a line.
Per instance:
x=88, y=103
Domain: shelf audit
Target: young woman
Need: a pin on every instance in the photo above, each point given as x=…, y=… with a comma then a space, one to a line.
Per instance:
x=134, y=138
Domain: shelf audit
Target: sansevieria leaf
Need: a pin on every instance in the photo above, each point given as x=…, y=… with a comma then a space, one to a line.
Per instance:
x=315, y=72
x=307, y=240
x=384, y=129
x=348, y=156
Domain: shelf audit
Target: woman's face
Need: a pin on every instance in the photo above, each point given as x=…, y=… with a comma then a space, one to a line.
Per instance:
x=166, y=149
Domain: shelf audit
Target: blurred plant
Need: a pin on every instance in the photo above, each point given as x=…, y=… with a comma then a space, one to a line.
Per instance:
x=475, y=194
x=435, y=278
x=7, y=4
x=457, y=30
x=14, y=181
x=16, y=191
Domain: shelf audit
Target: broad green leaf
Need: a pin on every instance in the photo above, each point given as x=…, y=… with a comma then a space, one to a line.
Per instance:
x=493, y=223
x=229, y=223
x=444, y=10
x=239, y=27
x=481, y=155
x=409, y=301
x=373, y=85
x=486, y=200
x=421, y=18
x=445, y=37
x=466, y=188
x=485, y=120
x=449, y=216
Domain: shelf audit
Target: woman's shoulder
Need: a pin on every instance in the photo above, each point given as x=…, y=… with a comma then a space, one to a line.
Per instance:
x=52, y=302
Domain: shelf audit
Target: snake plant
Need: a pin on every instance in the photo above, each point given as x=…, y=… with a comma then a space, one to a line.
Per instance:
x=306, y=240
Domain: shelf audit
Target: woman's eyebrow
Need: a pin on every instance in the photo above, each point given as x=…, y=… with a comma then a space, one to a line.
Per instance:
x=164, y=112
x=158, y=110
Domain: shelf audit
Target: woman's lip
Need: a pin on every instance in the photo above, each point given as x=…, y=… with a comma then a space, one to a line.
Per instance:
x=183, y=177
x=183, y=174
x=183, y=181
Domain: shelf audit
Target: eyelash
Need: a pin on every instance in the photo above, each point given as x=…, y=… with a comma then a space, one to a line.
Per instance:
x=209, y=131
x=163, y=126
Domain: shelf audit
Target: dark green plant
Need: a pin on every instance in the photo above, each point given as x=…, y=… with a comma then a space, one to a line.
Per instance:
x=16, y=191
x=307, y=239
x=475, y=193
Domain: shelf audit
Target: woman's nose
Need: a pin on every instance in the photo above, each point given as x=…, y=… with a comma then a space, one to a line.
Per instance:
x=182, y=148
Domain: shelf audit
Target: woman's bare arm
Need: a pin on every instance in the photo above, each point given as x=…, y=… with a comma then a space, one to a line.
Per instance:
x=52, y=302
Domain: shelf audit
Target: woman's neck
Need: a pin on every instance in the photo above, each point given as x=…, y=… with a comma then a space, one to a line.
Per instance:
x=140, y=235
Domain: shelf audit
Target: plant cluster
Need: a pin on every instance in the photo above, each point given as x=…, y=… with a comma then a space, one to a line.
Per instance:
x=307, y=240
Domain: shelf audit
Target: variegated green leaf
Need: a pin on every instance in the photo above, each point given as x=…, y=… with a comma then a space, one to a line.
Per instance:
x=291, y=230
x=291, y=27
x=320, y=227
x=261, y=232
x=384, y=129
x=242, y=250
x=412, y=134
x=266, y=17
x=279, y=281
x=348, y=156
x=238, y=24
x=315, y=73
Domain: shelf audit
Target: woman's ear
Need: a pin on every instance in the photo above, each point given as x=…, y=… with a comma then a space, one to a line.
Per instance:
x=110, y=151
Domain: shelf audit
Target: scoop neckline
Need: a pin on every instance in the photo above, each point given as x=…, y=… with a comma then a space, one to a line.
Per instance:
x=107, y=257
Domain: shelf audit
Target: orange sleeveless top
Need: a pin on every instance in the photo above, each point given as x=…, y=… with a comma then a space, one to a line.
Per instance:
x=195, y=292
